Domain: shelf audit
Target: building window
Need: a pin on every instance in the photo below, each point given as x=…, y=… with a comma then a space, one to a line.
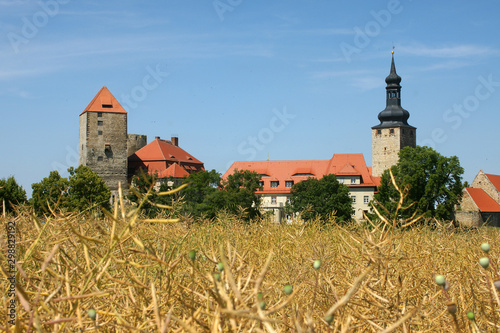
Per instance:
x=99, y=114
x=366, y=199
x=99, y=158
x=353, y=199
x=107, y=106
x=288, y=199
x=99, y=132
x=353, y=180
x=274, y=183
x=341, y=180
x=99, y=123
x=273, y=200
x=289, y=183
x=391, y=131
x=261, y=183
x=379, y=132
x=411, y=132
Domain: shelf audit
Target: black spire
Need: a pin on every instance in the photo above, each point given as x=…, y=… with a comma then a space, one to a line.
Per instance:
x=393, y=115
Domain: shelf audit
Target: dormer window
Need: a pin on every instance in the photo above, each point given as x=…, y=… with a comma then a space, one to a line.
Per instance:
x=107, y=106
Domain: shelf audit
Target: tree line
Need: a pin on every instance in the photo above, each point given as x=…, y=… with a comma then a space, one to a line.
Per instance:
x=431, y=182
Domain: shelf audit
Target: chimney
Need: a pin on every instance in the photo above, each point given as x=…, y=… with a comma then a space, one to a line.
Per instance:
x=175, y=141
x=157, y=138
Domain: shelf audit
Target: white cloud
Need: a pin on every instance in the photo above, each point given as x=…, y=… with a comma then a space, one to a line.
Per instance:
x=457, y=51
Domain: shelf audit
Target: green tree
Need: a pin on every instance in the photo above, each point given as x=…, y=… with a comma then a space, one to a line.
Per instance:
x=320, y=198
x=199, y=198
x=238, y=192
x=433, y=184
x=51, y=190
x=12, y=193
x=86, y=190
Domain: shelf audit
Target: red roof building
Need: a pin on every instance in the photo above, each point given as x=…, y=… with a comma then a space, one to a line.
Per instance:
x=164, y=158
x=481, y=202
x=279, y=176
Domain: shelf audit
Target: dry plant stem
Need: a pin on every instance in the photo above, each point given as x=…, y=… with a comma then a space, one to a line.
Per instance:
x=490, y=286
x=355, y=286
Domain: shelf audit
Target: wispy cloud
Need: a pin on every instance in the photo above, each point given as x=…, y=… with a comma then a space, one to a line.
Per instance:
x=457, y=51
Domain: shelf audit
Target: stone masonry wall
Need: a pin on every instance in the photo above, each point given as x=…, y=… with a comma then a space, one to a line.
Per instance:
x=386, y=146
x=481, y=181
x=135, y=142
x=105, y=147
x=469, y=219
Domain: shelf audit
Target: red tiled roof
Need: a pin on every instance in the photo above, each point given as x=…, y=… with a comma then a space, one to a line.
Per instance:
x=483, y=201
x=104, y=101
x=351, y=164
x=175, y=171
x=495, y=180
x=163, y=150
x=165, y=159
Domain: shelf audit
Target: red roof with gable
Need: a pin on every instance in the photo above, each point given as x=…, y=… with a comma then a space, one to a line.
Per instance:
x=282, y=171
x=104, y=101
x=495, y=180
x=164, y=158
x=483, y=201
x=174, y=171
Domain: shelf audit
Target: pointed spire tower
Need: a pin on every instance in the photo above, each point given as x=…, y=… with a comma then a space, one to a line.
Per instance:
x=393, y=133
x=103, y=139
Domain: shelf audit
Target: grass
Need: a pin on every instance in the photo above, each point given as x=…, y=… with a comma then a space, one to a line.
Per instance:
x=138, y=276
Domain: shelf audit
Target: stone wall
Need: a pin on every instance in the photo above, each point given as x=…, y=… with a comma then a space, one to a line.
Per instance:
x=136, y=142
x=387, y=144
x=469, y=218
x=104, y=146
x=482, y=181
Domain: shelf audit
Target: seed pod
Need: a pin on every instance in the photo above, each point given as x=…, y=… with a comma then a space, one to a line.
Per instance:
x=260, y=296
x=329, y=319
x=497, y=284
x=452, y=308
x=440, y=280
x=317, y=264
x=288, y=289
x=485, y=262
x=92, y=314
x=262, y=305
x=220, y=267
x=217, y=276
x=470, y=315
x=192, y=255
x=485, y=247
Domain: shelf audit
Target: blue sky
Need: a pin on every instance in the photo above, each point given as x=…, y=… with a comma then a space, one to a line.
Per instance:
x=244, y=80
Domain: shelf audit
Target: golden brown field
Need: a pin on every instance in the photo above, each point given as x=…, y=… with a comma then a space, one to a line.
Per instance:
x=139, y=277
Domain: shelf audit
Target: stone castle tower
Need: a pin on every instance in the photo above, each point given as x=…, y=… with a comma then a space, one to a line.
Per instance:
x=103, y=139
x=393, y=133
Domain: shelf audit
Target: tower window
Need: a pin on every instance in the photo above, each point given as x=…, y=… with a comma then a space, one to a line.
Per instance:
x=99, y=114
x=379, y=132
x=391, y=131
x=99, y=123
x=411, y=133
x=99, y=132
x=107, y=106
x=99, y=158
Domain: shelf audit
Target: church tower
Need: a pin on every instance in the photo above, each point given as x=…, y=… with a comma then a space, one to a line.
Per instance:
x=103, y=139
x=393, y=133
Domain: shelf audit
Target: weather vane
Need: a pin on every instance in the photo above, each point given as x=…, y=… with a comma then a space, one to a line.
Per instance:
x=393, y=47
